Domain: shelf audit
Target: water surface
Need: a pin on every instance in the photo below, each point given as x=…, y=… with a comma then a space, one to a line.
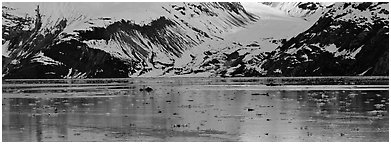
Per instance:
x=197, y=109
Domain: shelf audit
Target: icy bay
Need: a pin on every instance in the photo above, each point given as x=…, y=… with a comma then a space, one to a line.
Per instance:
x=197, y=109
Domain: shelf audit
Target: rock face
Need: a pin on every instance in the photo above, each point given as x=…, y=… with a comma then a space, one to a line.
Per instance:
x=77, y=45
x=345, y=39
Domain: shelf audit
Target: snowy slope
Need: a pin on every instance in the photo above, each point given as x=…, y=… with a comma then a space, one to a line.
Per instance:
x=274, y=27
x=82, y=39
x=345, y=39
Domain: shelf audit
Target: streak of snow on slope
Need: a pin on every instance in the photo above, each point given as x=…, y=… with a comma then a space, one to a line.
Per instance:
x=40, y=57
x=216, y=26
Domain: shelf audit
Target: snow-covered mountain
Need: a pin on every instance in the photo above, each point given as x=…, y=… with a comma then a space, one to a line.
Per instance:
x=349, y=39
x=194, y=39
x=345, y=39
x=62, y=40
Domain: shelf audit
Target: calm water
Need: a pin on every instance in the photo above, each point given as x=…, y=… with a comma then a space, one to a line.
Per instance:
x=196, y=109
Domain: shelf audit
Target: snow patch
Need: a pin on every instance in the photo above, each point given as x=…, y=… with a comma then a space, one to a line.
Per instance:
x=277, y=71
x=348, y=54
x=5, y=50
x=331, y=48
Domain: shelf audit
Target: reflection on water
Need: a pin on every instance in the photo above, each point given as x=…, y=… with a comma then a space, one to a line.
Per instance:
x=176, y=110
